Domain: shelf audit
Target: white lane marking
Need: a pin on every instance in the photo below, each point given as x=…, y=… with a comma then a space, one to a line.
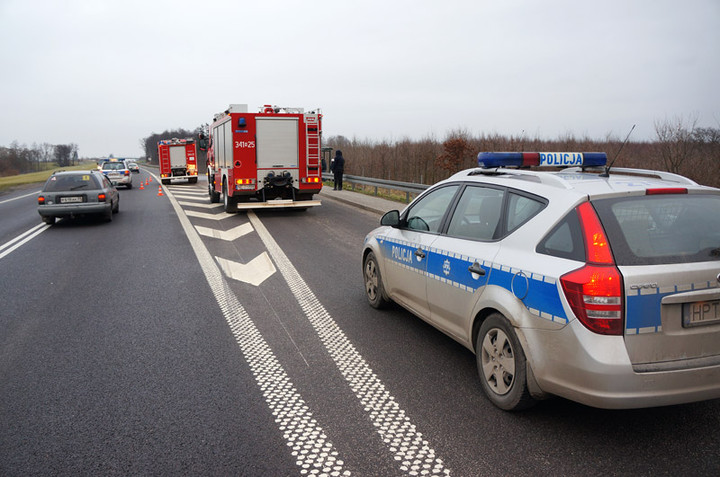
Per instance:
x=227, y=235
x=313, y=451
x=35, y=231
x=202, y=205
x=205, y=215
x=414, y=453
x=254, y=272
x=184, y=195
x=20, y=197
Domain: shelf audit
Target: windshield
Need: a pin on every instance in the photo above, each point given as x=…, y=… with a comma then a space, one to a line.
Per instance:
x=662, y=229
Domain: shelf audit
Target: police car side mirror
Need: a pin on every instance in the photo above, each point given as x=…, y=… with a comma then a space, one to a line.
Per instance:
x=391, y=218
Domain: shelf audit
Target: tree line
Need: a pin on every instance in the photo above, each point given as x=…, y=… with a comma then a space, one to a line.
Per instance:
x=680, y=147
x=20, y=159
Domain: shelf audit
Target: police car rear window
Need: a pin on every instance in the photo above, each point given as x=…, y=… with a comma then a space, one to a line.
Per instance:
x=662, y=229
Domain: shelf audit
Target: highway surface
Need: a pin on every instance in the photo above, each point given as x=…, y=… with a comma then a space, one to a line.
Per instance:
x=180, y=340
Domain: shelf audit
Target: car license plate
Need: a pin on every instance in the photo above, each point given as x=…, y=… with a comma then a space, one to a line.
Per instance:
x=701, y=313
x=69, y=200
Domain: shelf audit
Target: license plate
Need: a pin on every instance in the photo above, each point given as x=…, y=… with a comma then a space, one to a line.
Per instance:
x=701, y=313
x=68, y=200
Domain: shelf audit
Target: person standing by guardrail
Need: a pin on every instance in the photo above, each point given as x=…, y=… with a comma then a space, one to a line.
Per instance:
x=337, y=168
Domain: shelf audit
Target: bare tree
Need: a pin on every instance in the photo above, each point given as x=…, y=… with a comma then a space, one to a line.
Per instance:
x=676, y=141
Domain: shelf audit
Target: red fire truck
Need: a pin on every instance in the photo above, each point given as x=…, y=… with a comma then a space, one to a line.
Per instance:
x=266, y=159
x=178, y=160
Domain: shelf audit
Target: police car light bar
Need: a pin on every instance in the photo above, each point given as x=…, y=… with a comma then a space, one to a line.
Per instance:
x=527, y=159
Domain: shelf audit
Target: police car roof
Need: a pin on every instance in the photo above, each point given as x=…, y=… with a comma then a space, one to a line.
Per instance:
x=586, y=183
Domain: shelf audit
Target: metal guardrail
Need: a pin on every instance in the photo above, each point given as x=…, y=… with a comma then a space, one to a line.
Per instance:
x=407, y=187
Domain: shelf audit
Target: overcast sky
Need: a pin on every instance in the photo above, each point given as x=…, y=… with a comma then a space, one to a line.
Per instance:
x=105, y=74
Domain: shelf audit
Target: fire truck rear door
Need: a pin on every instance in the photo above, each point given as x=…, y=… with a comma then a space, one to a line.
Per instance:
x=277, y=143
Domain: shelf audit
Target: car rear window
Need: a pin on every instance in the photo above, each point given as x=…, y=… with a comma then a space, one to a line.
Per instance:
x=113, y=166
x=71, y=182
x=662, y=229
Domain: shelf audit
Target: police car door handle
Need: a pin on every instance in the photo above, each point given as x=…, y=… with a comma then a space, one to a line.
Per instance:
x=476, y=268
x=419, y=254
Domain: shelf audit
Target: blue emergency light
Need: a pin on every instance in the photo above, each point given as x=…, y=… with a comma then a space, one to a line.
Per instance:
x=528, y=159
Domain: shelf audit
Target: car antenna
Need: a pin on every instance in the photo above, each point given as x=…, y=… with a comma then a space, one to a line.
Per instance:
x=607, y=168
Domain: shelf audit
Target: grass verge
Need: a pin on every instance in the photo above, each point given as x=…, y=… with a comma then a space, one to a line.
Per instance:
x=7, y=183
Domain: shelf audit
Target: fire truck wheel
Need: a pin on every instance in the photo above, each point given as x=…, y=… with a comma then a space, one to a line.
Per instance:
x=214, y=196
x=229, y=202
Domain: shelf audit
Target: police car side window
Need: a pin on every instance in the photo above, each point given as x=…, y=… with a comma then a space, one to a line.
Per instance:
x=478, y=213
x=521, y=209
x=426, y=214
x=565, y=239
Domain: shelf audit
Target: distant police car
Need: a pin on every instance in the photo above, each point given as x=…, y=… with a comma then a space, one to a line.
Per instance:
x=601, y=287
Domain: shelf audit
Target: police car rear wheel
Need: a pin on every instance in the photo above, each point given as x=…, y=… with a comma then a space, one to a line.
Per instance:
x=502, y=365
x=374, y=289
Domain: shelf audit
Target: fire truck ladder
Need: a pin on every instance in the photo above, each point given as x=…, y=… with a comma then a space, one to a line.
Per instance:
x=312, y=148
x=164, y=159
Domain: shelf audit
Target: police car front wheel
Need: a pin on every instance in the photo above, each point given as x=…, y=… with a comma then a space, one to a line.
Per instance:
x=502, y=365
x=374, y=289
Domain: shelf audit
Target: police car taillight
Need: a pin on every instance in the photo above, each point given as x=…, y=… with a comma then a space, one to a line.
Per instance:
x=528, y=159
x=41, y=200
x=595, y=291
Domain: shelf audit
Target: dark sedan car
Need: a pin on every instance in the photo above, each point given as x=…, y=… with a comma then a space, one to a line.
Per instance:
x=77, y=193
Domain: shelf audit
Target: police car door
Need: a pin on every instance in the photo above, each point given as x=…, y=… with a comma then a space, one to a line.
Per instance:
x=406, y=248
x=460, y=260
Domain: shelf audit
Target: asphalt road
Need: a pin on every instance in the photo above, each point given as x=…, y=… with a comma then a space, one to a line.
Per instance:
x=128, y=348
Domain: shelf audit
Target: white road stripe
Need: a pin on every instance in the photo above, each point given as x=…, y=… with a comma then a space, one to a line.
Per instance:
x=35, y=231
x=313, y=451
x=202, y=205
x=20, y=197
x=205, y=215
x=254, y=272
x=414, y=453
x=227, y=235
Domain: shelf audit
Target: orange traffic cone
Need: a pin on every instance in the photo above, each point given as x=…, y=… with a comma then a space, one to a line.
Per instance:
x=141, y=186
x=160, y=191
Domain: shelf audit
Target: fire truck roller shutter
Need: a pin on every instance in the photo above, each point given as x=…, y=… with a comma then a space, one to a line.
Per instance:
x=277, y=143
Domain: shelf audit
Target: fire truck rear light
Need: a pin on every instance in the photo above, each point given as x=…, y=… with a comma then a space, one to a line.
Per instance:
x=244, y=181
x=313, y=180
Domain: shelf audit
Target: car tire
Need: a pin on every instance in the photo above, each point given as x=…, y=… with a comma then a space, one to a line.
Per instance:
x=502, y=365
x=116, y=208
x=108, y=216
x=129, y=186
x=48, y=219
x=374, y=289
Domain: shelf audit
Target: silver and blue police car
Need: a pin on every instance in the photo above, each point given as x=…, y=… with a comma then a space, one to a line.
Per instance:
x=597, y=284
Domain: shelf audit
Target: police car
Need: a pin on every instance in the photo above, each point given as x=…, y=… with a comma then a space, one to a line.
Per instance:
x=597, y=284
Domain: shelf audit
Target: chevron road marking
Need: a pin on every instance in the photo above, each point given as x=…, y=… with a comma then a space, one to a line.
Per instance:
x=228, y=235
x=205, y=215
x=254, y=272
x=203, y=205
